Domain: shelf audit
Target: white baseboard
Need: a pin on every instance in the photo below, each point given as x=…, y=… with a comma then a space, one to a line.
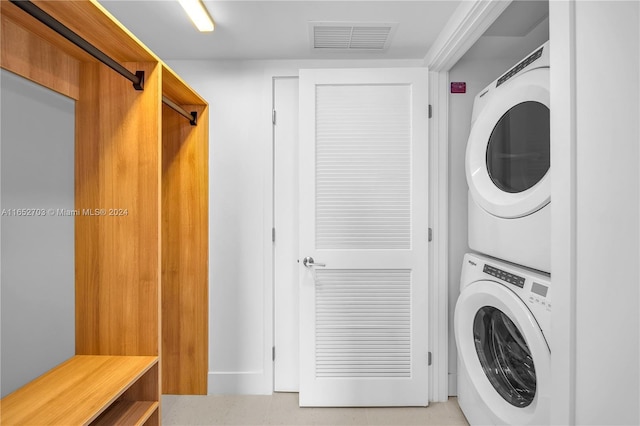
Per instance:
x=239, y=383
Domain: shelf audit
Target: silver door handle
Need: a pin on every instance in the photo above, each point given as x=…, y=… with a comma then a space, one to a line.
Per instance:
x=309, y=262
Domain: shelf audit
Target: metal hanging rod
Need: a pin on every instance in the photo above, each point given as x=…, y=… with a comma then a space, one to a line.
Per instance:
x=191, y=116
x=137, y=79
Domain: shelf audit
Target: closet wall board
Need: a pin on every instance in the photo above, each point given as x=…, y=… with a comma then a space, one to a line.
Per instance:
x=118, y=177
x=37, y=273
x=184, y=252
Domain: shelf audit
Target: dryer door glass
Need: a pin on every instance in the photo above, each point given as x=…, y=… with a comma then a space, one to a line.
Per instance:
x=504, y=356
x=518, y=152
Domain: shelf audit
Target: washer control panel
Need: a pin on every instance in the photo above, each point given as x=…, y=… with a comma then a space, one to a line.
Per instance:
x=539, y=289
x=539, y=294
x=530, y=287
x=504, y=275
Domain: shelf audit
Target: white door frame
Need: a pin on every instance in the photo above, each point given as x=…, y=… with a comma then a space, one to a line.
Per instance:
x=470, y=20
x=285, y=370
x=562, y=25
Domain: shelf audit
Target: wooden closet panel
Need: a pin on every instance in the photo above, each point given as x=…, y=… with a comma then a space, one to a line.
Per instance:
x=31, y=57
x=23, y=19
x=185, y=234
x=118, y=253
x=145, y=389
x=100, y=28
x=177, y=90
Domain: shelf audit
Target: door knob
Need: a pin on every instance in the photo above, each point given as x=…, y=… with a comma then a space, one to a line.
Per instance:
x=309, y=262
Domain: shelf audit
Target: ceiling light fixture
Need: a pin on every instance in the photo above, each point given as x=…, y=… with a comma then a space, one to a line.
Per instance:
x=198, y=14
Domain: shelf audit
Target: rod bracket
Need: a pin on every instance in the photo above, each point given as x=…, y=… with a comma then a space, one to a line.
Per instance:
x=140, y=84
x=191, y=116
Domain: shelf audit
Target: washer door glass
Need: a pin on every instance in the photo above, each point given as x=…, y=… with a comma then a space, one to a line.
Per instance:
x=504, y=356
x=518, y=152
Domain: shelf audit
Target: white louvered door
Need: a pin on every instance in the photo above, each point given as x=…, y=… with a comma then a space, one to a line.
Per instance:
x=363, y=213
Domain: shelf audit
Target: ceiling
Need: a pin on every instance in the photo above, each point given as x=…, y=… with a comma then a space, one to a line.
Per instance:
x=279, y=29
x=522, y=27
x=266, y=29
x=519, y=18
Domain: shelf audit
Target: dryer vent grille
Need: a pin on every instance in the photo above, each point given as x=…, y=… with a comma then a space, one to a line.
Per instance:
x=522, y=65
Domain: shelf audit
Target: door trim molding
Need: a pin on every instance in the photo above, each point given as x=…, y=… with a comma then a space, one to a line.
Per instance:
x=562, y=28
x=439, y=251
x=467, y=24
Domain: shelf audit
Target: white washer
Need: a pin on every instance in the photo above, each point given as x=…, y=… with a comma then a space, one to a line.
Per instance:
x=507, y=166
x=501, y=325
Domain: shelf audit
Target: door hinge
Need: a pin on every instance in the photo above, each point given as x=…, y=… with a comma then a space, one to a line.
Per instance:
x=430, y=235
x=273, y=116
x=273, y=235
x=429, y=358
x=273, y=353
x=430, y=111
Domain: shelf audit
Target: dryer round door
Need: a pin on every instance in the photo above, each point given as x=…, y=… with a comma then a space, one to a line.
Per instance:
x=504, y=353
x=508, y=152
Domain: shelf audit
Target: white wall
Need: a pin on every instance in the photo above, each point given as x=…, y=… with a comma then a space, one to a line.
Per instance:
x=37, y=252
x=477, y=71
x=240, y=308
x=608, y=208
x=596, y=324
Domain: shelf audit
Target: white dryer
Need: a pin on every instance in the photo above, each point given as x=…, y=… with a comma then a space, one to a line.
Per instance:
x=507, y=166
x=501, y=325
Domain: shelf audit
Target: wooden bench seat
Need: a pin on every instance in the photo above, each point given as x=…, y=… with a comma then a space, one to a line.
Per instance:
x=80, y=389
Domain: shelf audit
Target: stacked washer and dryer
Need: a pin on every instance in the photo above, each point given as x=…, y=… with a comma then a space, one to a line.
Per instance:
x=503, y=313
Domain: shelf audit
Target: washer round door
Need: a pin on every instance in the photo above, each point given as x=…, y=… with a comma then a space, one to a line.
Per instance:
x=508, y=152
x=504, y=353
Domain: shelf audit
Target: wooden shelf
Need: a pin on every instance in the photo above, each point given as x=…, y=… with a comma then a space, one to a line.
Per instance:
x=127, y=413
x=77, y=391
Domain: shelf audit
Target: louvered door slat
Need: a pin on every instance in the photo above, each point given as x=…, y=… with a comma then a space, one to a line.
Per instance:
x=363, y=166
x=346, y=298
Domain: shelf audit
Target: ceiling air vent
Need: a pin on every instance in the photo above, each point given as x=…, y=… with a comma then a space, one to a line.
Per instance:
x=350, y=35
